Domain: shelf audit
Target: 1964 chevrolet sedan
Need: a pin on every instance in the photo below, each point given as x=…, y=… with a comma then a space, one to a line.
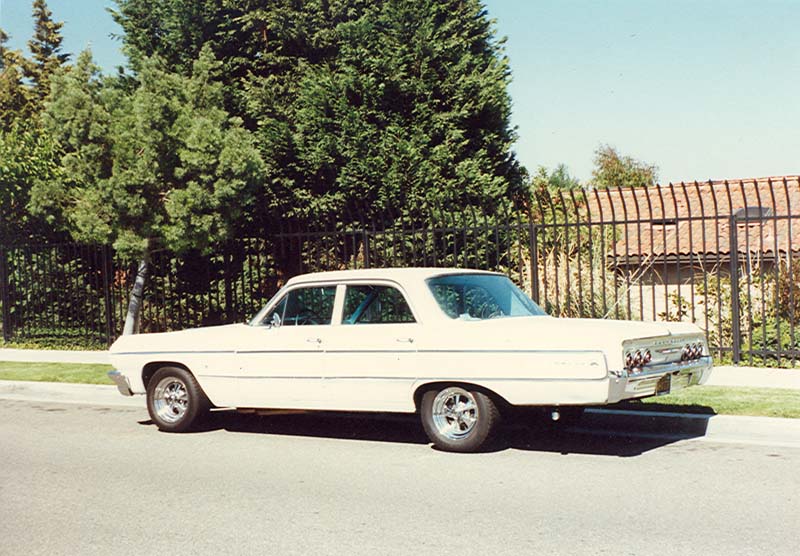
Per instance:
x=457, y=346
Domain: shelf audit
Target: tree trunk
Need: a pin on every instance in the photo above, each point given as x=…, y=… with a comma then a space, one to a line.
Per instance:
x=135, y=304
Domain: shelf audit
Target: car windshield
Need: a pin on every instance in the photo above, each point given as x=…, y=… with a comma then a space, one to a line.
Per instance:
x=481, y=296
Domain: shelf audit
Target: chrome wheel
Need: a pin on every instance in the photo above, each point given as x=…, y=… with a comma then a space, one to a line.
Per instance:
x=454, y=412
x=171, y=399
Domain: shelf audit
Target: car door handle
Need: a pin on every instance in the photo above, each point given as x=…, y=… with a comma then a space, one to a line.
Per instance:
x=314, y=340
x=406, y=340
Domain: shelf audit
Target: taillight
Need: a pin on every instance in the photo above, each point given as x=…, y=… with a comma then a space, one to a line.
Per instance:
x=691, y=352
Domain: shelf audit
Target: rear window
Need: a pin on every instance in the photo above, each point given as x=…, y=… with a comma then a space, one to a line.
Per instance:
x=481, y=297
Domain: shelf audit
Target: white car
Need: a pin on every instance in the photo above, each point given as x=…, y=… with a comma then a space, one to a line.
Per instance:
x=456, y=346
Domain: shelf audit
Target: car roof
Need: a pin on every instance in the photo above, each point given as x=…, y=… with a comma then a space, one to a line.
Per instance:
x=395, y=274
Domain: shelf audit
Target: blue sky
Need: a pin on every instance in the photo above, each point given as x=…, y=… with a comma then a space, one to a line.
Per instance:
x=703, y=89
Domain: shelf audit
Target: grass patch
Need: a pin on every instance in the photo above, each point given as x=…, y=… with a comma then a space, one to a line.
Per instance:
x=81, y=373
x=725, y=400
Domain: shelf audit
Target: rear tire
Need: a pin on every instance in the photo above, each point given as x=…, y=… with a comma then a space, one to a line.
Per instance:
x=459, y=420
x=175, y=400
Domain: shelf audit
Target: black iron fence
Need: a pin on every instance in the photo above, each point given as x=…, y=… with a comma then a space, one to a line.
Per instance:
x=725, y=255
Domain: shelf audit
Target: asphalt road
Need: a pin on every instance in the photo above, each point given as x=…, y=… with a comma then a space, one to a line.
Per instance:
x=95, y=480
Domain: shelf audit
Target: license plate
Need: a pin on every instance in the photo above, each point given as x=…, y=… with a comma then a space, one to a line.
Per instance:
x=663, y=385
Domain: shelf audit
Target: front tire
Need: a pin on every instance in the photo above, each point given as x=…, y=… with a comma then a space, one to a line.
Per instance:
x=175, y=400
x=459, y=420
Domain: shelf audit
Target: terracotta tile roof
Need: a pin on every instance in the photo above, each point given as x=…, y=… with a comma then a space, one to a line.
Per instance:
x=695, y=218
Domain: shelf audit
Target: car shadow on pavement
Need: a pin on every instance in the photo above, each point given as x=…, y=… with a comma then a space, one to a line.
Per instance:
x=590, y=437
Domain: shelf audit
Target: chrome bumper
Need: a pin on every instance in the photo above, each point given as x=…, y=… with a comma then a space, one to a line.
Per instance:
x=645, y=384
x=122, y=383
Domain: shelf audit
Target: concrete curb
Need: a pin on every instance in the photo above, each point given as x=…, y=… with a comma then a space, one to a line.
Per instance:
x=765, y=431
x=54, y=392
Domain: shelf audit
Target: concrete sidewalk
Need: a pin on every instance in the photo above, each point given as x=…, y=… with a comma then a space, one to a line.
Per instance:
x=754, y=377
x=53, y=356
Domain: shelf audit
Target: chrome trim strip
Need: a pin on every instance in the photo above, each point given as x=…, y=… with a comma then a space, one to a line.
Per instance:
x=668, y=368
x=414, y=378
x=512, y=351
x=172, y=352
x=250, y=352
x=201, y=352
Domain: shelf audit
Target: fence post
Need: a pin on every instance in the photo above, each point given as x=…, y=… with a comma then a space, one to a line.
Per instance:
x=734, y=272
x=4, y=296
x=534, y=248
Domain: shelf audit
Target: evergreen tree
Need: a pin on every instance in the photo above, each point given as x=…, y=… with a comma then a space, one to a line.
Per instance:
x=175, y=30
x=15, y=102
x=161, y=166
x=414, y=109
x=45, y=47
x=386, y=103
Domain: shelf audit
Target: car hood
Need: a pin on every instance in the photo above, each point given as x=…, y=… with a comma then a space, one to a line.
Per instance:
x=209, y=338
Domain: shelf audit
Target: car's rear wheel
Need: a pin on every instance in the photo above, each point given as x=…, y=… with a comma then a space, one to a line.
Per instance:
x=459, y=420
x=175, y=400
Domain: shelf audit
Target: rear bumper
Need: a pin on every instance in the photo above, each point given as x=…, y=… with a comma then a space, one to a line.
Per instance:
x=121, y=381
x=650, y=383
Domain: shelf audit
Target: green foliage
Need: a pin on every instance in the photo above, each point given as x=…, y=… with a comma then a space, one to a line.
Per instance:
x=24, y=82
x=767, y=320
x=412, y=109
x=164, y=163
x=381, y=104
x=174, y=30
x=677, y=309
x=27, y=156
x=555, y=180
x=614, y=170
x=15, y=97
x=45, y=47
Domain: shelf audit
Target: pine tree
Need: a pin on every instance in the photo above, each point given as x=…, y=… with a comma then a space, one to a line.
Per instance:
x=162, y=165
x=385, y=103
x=45, y=47
x=413, y=110
x=15, y=102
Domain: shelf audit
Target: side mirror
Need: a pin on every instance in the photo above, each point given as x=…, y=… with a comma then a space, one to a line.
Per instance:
x=275, y=321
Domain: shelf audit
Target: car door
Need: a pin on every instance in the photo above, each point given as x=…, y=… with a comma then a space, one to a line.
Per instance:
x=281, y=362
x=370, y=354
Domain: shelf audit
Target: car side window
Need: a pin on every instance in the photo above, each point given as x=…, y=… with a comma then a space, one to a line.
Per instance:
x=375, y=305
x=304, y=306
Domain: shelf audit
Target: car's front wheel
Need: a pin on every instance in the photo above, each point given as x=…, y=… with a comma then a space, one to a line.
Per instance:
x=175, y=400
x=459, y=420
